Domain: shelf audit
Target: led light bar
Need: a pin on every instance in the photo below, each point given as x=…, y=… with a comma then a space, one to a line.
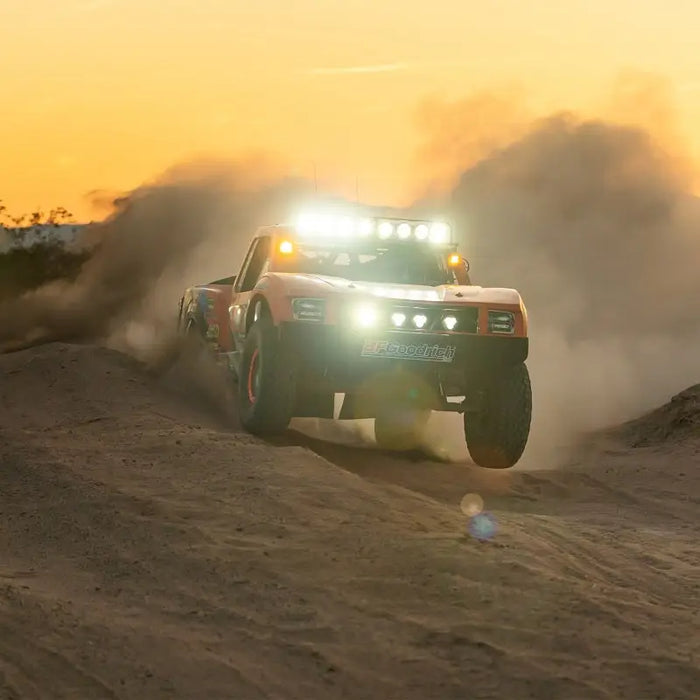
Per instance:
x=385, y=229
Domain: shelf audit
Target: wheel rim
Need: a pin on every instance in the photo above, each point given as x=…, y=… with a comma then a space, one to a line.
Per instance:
x=253, y=377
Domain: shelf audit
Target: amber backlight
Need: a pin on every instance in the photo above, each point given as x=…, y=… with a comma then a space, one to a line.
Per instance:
x=454, y=259
x=286, y=247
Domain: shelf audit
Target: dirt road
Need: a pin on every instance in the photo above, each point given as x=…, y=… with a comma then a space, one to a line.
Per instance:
x=149, y=549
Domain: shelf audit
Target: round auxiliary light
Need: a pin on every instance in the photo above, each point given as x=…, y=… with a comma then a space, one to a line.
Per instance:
x=386, y=229
x=439, y=233
x=404, y=231
x=419, y=320
x=365, y=227
x=345, y=226
x=398, y=319
x=326, y=225
x=449, y=322
x=421, y=232
x=309, y=223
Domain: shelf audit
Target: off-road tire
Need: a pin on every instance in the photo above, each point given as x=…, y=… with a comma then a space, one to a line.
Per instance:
x=497, y=434
x=266, y=385
x=400, y=428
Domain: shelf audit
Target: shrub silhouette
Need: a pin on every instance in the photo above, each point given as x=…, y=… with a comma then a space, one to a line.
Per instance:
x=34, y=256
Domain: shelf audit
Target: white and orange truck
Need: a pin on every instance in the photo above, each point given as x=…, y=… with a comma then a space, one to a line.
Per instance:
x=381, y=311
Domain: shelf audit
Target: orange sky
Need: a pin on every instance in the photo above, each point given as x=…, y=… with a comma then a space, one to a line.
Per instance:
x=104, y=94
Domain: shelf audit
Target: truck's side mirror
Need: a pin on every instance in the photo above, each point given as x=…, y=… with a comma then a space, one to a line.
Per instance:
x=460, y=268
x=462, y=273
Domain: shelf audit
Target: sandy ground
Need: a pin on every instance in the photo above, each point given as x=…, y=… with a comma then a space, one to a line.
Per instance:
x=150, y=549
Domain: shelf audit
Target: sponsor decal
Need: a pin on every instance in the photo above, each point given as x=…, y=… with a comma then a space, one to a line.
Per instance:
x=205, y=303
x=431, y=352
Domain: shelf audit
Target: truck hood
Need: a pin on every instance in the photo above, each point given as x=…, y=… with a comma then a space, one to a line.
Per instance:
x=297, y=284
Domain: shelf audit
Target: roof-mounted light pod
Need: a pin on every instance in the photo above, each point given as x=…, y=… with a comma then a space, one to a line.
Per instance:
x=319, y=224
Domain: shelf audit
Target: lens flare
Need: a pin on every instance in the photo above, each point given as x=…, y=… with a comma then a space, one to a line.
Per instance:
x=482, y=526
x=471, y=504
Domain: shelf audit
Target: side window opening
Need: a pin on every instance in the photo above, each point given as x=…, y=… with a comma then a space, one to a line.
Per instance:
x=256, y=264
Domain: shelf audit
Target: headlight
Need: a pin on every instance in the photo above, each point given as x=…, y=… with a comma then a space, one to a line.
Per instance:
x=398, y=319
x=386, y=230
x=502, y=322
x=439, y=233
x=365, y=227
x=404, y=231
x=365, y=315
x=449, y=322
x=309, y=309
x=421, y=232
x=419, y=320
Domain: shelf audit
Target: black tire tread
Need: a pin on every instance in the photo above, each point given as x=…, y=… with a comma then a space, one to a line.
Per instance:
x=497, y=435
x=273, y=409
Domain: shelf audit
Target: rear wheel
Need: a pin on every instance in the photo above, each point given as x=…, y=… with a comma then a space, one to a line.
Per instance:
x=497, y=434
x=266, y=384
x=400, y=428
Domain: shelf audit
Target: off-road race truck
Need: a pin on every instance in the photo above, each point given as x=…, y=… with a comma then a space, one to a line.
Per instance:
x=380, y=310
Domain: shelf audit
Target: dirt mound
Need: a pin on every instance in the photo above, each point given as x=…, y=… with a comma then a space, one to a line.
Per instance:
x=150, y=549
x=676, y=421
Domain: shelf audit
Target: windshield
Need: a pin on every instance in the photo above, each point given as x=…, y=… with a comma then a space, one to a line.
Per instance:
x=404, y=264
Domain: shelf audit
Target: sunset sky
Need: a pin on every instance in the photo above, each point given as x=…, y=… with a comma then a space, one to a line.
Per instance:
x=105, y=94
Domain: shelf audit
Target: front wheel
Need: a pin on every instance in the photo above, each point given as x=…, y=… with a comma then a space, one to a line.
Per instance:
x=400, y=428
x=266, y=382
x=497, y=434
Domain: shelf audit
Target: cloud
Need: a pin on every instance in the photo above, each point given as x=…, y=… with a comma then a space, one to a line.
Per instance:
x=353, y=70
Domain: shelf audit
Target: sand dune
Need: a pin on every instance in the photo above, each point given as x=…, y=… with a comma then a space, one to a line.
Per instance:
x=152, y=549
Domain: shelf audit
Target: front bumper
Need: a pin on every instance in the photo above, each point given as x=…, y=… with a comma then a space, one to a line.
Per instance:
x=349, y=357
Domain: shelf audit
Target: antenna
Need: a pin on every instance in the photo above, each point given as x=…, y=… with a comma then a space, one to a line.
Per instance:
x=313, y=165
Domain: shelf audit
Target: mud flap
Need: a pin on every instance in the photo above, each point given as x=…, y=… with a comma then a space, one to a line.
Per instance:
x=352, y=409
x=389, y=391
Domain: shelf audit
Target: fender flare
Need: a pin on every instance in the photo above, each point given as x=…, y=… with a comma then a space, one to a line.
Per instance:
x=259, y=304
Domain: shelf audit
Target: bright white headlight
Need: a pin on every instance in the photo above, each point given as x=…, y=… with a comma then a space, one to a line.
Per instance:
x=366, y=315
x=365, y=227
x=398, y=319
x=449, y=322
x=309, y=223
x=345, y=226
x=439, y=233
x=421, y=232
x=404, y=231
x=419, y=320
x=386, y=229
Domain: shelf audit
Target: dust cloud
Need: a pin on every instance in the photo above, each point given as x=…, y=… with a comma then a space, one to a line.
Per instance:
x=596, y=225
x=188, y=226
